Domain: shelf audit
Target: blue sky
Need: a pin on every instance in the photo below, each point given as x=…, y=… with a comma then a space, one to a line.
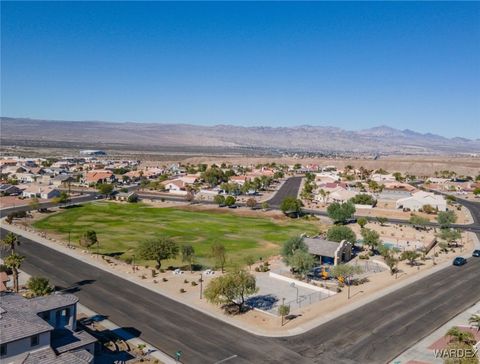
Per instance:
x=352, y=65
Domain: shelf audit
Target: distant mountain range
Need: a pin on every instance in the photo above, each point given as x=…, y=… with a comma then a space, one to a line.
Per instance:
x=382, y=139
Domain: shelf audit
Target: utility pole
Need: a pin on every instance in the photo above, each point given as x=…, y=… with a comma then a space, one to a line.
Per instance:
x=201, y=285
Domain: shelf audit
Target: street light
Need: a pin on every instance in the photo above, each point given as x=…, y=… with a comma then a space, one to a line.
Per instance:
x=294, y=286
x=133, y=262
x=201, y=285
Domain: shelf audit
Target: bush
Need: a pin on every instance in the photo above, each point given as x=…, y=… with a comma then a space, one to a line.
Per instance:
x=182, y=290
x=164, y=279
x=194, y=283
x=185, y=281
x=363, y=199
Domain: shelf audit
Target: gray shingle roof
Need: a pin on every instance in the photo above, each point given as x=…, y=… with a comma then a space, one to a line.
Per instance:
x=322, y=247
x=64, y=340
x=19, y=319
x=48, y=356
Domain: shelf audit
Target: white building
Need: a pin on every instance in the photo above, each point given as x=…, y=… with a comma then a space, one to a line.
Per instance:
x=419, y=199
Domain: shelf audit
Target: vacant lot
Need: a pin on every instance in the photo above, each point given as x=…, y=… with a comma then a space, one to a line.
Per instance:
x=120, y=227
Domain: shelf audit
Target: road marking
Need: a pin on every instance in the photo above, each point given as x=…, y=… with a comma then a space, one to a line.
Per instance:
x=224, y=360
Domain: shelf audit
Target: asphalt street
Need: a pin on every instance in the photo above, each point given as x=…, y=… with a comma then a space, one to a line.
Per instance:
x=289, y=188
x=374, y=333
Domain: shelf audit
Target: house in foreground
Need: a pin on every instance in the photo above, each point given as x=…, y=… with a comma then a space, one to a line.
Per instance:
x=42, y=330
x=329, y=252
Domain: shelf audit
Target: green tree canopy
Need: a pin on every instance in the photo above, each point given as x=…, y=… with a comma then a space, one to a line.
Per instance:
x=341, y=212
x=418, y=220
x=339, y=232
x=231, y=289
x=219, y=254
x=292, y=245
x=370, y=238
x=301, y=262
x=105, y=188
x=230, y=200
x=219, y=199
x=291, y=205
x=39, y=286
x=345, y=270
x=410, y=255
x=363, y=199
x=158, y=249
x=188, y=254
x=446, y=218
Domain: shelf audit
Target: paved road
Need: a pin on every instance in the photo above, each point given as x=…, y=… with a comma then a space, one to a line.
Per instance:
x=289, y=188
x=374, y=333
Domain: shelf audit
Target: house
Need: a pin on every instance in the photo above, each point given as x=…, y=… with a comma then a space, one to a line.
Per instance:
x=42, y=330
x=9, y=190
x=240, y=180
x=329, y=252
x=62, y=180
x=378, y=177
x=419, y=199
x=189, y=179
x=98, y=176
x=175, y=185
x=398, y=186
x=41, y=191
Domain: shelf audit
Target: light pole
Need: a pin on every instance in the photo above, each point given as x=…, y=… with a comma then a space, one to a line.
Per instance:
x=348, y=284
x=201, y=285
x=294, y=286
x=133, y=262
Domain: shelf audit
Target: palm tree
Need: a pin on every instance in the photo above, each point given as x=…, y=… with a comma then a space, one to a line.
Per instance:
x=14, y=261
x=10, y=241
x=474, y=320
x=459, y=336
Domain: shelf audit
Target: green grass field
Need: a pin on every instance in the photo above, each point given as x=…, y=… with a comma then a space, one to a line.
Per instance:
x=120, y=227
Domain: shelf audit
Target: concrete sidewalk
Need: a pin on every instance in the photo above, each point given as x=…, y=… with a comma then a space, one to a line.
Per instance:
x=421, y=351
x=62, y=247
x=134, y=342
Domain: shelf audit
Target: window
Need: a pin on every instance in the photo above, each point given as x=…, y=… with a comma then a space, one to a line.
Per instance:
x=3, y=349
x=34, y=340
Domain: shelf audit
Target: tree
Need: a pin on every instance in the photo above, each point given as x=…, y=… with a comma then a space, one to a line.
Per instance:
x=411, y=256
x=340, y=213
x=338, y=233
x=301, y=262
x=34, y=204
x=39, y=286
x=460, y=336
x=362, y=221
x=370, y=238
x=265, y=205
x=428, y=209
x=10, y=241
x=363, y=199
x=283, y=310
x=446, y=218
x=291, y=205
x=392, y=263
x=345, y=270
x=476, y=191
x=189, y=196
x=251, y=202
x=89, y=238
x=418, y=221
x=14, y=262
x=230, y=201
x=231, y=289
x=250, y=260
x=105, y=188
x=158, y=249
x=188, y=254
x=474, y=320
x=219, y=200
x=449, y=235
x=382, y=220
x=291, y=246
x=219, y=255
x=132, y=198
x=63, y=198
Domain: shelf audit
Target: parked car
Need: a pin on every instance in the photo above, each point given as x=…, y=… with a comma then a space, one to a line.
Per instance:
x=98, y=197
x=476, y=253
x=458, y=261
x=232, y=206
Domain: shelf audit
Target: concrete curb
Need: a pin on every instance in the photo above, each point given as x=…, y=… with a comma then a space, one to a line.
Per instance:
x=292, y=332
